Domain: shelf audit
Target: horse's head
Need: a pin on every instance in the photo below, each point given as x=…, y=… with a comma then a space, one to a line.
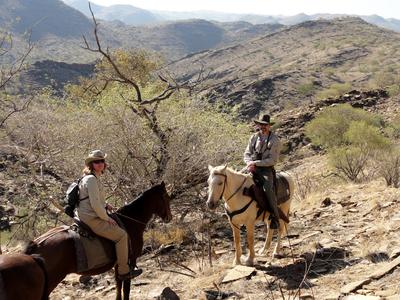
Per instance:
x=164, y=210
x=216, y=185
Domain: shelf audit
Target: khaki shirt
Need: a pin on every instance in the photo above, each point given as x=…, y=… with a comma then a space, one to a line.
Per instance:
x=94, y=206
x=270, y=152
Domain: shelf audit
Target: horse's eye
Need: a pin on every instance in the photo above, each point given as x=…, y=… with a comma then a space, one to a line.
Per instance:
x=219, y=183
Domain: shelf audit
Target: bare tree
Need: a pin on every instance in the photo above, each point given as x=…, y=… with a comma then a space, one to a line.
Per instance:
x=145, y=108
x=11, y=105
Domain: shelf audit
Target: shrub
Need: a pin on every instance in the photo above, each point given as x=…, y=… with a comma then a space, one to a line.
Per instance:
x=349, y=161
x=388, y=166
x=334, y=90
x=328, y=129
x=364, y=135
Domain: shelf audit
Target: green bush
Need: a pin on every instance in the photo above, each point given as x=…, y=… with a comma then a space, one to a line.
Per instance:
x=328, y=129
x=334, y=90
x=362, y=134
x=306, y=89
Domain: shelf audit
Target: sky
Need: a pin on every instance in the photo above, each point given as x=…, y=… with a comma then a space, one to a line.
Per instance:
x=384, y=8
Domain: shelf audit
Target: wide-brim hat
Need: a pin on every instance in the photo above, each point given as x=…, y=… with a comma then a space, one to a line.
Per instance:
x=264, y=119
x=95, y=155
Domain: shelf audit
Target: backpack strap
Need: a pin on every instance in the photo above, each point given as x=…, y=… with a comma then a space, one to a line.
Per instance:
x=79, y=181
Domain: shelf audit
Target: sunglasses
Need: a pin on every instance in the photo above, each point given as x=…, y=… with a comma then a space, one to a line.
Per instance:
x=101, y=161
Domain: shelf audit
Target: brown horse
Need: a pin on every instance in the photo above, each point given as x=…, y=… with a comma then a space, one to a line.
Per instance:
x=22, y=277
x=59, y=250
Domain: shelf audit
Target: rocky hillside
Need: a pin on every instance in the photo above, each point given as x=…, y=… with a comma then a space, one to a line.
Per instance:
x=57, y=30
x=44, y=18
x=301, y=63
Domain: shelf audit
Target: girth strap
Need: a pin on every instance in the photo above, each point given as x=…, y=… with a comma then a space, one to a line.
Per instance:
x=238, y=212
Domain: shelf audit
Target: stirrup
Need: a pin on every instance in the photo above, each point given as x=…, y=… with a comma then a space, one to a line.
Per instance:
x=131, y=274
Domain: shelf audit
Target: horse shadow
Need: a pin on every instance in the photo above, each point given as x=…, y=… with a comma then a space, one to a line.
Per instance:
x=308, y=266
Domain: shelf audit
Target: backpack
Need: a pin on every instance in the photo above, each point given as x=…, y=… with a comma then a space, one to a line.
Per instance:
x=72, y=198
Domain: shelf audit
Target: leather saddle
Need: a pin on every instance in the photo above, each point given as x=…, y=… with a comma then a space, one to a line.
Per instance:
x=281, y=187
x=92, y=245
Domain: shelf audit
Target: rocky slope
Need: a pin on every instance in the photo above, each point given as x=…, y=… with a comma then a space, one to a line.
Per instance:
x=268, y=73
x=340, y=234
x=342, y=242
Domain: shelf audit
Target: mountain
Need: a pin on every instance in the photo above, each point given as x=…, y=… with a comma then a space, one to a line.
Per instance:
x=44, y=18
x=127, y=14
x=271, y=72
x=136, y=16
x=57, y=40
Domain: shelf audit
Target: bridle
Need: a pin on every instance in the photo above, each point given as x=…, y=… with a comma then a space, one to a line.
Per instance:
x=223, y=190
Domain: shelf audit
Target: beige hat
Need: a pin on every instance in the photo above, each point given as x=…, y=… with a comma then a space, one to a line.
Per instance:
x=95, y=155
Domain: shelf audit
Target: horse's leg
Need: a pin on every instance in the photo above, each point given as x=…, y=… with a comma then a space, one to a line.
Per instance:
x=250, y=243
x=238, y=248
x=118, y=286
x=268, y=238
x=127, y=288
x=281, y=232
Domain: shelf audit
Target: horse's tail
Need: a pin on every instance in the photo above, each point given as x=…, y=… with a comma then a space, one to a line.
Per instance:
x=40, y=261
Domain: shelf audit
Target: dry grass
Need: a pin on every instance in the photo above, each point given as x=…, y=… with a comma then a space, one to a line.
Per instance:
x=167, y=235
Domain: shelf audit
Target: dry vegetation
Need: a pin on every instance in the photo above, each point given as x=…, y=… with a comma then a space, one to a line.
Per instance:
x=341, y=231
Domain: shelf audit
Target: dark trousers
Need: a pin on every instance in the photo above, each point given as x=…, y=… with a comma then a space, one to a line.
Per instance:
x=266, y=176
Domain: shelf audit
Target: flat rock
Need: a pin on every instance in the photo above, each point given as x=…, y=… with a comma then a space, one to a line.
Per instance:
x=238, y=272
x=348, y=288
x=361, y=297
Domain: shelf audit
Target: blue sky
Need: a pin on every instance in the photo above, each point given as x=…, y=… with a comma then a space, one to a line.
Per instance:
x=384, y=8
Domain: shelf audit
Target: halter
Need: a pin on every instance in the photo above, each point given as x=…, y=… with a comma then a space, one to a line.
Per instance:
x=223, y=190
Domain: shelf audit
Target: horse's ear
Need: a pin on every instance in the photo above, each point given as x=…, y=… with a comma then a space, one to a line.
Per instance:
x=210, y=168
x=162, y=183
x=225, y=166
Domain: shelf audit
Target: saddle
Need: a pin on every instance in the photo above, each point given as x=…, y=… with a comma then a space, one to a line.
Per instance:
x=93, y=251
x=282, y=192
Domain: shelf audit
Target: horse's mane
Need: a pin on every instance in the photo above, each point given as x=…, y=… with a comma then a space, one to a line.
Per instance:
x=231, y=170
x=139, y=200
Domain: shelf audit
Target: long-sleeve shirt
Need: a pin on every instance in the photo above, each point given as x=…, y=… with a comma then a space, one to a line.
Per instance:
x=269, y=151
x=95, y=205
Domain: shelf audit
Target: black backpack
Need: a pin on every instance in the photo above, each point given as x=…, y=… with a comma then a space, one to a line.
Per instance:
x=72, y=198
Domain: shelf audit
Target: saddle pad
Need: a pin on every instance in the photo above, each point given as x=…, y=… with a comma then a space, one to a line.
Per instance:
x=282, y=189
x=90, y=252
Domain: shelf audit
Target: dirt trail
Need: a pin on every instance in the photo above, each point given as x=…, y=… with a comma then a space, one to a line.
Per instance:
x=340, y=236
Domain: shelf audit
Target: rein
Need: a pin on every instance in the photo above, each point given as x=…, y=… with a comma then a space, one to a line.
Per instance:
x=137, y=221
x=239, y=211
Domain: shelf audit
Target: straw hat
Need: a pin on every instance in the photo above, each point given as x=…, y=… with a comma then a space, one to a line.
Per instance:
x=95, y=155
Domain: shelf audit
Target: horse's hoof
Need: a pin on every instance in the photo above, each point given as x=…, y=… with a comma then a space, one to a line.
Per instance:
x=250, y=262
x=237, y=262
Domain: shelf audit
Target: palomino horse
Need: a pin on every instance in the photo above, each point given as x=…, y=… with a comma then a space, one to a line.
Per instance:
x=228, y=184
x=22, y=277
x=59, y=250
